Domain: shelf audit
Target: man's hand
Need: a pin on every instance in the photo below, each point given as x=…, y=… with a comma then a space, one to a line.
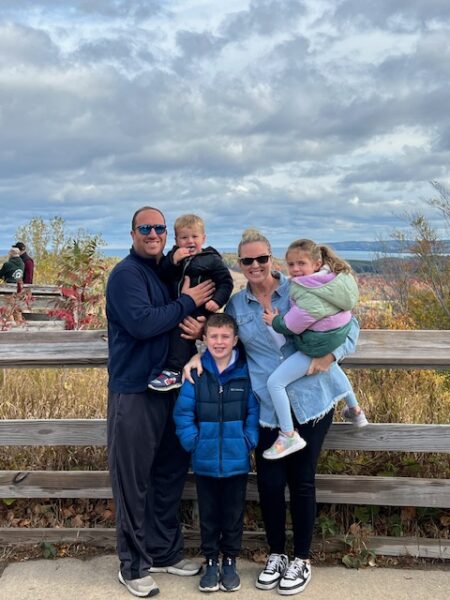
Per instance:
x=212, y=306
x=194, y=363
x=192, y=328
x=320, y=365
x=200, y=293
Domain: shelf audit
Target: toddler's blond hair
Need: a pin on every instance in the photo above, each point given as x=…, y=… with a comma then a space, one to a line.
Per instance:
x=189, y=221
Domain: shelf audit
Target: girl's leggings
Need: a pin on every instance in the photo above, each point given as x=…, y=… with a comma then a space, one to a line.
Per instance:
x=291, y=369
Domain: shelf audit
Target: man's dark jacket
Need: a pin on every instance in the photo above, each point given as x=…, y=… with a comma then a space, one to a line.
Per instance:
x=140, y=317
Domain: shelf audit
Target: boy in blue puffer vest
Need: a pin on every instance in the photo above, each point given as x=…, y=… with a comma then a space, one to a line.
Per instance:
x=217, y=420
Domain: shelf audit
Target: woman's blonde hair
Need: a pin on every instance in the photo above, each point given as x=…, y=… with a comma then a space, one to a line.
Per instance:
x=253, y=235
x=320, y=252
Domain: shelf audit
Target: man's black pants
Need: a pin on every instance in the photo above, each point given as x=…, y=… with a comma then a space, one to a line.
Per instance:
x=221, y=504
x=148, y=470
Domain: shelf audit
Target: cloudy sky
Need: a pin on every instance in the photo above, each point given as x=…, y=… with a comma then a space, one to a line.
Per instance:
x=318, y=118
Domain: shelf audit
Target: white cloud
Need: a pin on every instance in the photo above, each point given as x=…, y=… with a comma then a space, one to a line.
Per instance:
x=283, y=113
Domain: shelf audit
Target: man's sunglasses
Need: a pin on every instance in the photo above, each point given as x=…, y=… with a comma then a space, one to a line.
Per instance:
x=261, y=260
x=145, y=229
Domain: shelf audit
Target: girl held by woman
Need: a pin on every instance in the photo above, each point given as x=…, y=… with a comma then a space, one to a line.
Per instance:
x=322, y=293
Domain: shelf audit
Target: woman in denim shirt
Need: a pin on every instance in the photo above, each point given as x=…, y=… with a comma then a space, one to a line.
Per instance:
x=312, y=400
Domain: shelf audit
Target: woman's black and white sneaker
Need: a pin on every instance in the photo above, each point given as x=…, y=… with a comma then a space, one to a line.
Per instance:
x=269, y=577
x=296, y=577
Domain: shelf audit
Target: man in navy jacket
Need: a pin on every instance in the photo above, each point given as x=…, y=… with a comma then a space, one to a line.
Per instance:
x=147, y=464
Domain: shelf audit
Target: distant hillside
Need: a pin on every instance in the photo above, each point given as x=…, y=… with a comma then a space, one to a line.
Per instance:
x=376, y=266
x=385, y=246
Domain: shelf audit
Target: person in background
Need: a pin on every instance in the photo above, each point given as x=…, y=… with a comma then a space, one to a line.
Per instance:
x=27, y=261
x=12, y=270
x=216, y=419
x=147, y=464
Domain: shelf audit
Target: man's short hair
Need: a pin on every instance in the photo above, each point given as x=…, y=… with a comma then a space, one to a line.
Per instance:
x=221, y=320
x=139, y=210
x=19, y=245
x=189, y=221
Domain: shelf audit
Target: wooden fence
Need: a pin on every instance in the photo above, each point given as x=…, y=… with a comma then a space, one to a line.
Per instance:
x=35, y=302
x=376, y=349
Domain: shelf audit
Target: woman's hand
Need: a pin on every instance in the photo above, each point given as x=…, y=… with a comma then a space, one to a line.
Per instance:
x=269, y=315
x=192, y=328
x=320, y=365
x=194, y=363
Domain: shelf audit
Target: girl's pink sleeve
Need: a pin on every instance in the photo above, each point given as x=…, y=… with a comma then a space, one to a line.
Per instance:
x=298, y=319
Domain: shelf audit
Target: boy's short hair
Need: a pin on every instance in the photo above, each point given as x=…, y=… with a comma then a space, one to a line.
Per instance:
x=221, y=320
x=189, y=221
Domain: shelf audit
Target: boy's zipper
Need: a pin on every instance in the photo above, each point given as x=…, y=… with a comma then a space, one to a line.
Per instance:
x=221, y=427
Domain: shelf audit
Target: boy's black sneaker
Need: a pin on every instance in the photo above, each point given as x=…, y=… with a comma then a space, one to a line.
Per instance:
x=210, y=579
x=269, y=577
x=229, y=578
x=296, y=577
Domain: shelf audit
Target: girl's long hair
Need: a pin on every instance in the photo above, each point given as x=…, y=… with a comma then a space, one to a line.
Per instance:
x=321, y=252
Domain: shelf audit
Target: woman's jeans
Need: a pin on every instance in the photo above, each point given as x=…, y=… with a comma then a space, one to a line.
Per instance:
x=297, y=471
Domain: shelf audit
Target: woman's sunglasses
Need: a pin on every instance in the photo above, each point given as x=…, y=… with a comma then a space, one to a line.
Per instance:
x=145, y=229
x=261, y=260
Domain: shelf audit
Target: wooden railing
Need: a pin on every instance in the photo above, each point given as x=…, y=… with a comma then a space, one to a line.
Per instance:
x=34, y=310
x=376, y=349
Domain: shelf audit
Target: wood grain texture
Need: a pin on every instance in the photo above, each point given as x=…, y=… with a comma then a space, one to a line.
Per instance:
x=376, y=349
x=331, y=489
x=106, y=538
x=400, y=437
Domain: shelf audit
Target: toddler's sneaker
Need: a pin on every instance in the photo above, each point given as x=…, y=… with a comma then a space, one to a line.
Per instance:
x=296, y=577
x=210, y=580
x=229, y=578
x=284, y=445
x=167, y=380
x=276, y=565
x=357, y=419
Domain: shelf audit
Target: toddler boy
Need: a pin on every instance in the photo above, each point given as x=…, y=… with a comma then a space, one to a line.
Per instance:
x=188, y=257
x=216, y=419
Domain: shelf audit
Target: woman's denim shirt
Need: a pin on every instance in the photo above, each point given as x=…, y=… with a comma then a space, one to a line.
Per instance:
x=311, y=396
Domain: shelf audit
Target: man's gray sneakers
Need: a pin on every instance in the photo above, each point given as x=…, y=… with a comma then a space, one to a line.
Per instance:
x=142, y=587
x=183, y=568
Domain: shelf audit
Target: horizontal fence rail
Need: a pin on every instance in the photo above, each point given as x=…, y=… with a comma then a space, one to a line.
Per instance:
x=376, y=349
x=331, y=489
x=105, y=537
x=342, y=436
